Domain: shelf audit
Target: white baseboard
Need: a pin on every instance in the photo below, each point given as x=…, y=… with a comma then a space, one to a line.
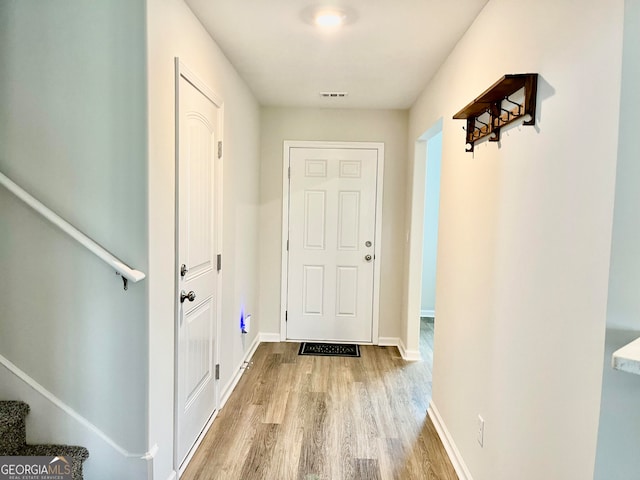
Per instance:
x=449, y=445
x=409, y=355
x=388, y=341
x=269, y=337
x=229, y=387
x=173, y=476
x=428, y=313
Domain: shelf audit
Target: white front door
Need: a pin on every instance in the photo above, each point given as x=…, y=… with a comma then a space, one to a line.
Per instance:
x=198, y=134
x=332, y=235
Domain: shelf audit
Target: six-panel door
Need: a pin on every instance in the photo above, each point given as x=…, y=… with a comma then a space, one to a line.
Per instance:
x=332, y=217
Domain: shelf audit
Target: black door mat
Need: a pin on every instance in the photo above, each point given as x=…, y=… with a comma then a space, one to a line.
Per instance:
x=330, y=349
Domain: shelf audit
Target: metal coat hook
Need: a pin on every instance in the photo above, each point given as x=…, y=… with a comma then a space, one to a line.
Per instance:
x=514, y=103
x=485, y=124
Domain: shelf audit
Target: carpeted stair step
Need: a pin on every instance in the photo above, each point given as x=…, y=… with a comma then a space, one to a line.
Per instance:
x=13, y=436
x=13, y=439
x=74, y=455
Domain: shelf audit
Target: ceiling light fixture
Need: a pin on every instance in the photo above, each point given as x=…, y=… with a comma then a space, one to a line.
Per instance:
x=329, y=18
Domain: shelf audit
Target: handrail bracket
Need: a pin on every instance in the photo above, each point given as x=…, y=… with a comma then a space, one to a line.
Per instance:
x=125, y=281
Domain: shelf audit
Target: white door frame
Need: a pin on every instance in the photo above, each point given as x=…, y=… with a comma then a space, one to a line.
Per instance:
x=288, y=145
x=181, y=70
x=416, y=241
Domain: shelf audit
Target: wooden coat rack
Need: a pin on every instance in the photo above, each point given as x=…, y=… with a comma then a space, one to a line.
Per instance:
x=493, y=102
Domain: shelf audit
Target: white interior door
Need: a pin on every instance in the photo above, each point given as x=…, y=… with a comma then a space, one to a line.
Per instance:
x=332, y=235
x=198, y=130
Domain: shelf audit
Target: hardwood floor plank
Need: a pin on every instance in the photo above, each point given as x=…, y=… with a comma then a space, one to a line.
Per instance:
x=276, y=407
x=263, y=388
x=297, y=417
x=350, y=442
x=392, y=458
x=313, y=452
x=210, y=461
x=259, y=455
x=435, y=452
x=284, y=463
x=366, y=468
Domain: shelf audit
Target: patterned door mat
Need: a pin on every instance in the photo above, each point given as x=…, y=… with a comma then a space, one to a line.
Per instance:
x=329, y=349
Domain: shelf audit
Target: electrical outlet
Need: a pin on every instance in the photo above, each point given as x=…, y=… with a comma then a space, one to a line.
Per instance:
x=481, y=431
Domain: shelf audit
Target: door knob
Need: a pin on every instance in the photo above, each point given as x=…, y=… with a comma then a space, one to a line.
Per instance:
x=191, y=296
x=368, y=258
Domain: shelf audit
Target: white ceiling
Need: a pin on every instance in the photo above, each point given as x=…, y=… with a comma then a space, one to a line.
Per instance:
x=383, y=58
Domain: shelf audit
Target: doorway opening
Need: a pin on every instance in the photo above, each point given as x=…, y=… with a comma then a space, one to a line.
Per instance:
x=430, y=246
x=423, y=245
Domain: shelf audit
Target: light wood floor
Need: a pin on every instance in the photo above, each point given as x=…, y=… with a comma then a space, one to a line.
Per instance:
x=326, y=418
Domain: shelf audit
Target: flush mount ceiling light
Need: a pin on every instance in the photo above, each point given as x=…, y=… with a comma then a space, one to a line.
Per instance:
x=327, y=17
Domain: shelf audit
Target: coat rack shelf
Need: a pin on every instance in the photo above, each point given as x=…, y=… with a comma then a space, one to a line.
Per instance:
x=494, y=109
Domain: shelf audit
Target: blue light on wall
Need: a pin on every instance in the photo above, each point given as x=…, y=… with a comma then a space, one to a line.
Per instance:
x=242, y=324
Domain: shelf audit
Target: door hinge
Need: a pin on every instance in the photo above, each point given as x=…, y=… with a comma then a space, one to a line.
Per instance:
x=289, y=172
x=219, y=262
x=217, y=371
x=287, y=244
x=286, y=315
x=220, y=149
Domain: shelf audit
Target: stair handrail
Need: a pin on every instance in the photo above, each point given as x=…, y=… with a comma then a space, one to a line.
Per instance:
x=127, y=273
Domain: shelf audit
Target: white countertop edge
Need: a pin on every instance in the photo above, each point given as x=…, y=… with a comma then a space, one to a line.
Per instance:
x=627, y=358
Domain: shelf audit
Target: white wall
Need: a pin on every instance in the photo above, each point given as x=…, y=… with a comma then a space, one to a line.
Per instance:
x=619, y=431
x=72, y=133
x=524, y=241
x=280, y=124
x=173, y=31
x=430, y=228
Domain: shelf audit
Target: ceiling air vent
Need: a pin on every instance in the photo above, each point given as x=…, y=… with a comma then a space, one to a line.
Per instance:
x=333, y=94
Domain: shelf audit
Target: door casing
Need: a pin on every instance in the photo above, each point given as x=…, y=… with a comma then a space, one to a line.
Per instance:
x=288, y=145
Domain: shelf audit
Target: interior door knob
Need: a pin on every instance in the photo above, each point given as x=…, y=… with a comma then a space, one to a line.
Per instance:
x=191, y=296
x=368, y=258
